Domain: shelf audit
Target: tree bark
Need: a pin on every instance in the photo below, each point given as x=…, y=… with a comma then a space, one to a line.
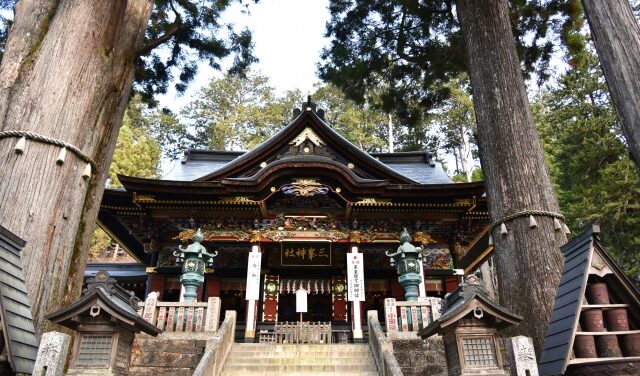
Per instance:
x=66, y=73
x=529, y=261
x=616, y=34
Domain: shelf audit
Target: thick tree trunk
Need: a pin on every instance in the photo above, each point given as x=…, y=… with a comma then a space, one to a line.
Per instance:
x=66, y=74
x=616, y=34
x=529, y=261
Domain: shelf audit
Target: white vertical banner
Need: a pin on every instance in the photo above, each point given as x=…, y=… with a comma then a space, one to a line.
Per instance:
x=355, y=277
x=301, y=301
x=253, y=275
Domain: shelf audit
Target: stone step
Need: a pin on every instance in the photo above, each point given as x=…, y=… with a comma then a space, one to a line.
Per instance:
x=290, y=360
x=298, y=373
x=336, y=368
x=300, y=354
x=241, y=347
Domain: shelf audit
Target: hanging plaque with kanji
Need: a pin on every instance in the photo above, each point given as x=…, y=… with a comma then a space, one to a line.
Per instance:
x=297, y=253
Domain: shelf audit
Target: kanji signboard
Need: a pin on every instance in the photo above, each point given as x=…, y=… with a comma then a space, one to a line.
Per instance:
x=253, y=275
x=355, y=277
x=305, y=253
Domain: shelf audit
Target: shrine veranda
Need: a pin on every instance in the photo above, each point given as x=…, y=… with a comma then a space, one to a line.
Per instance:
x=304, y=199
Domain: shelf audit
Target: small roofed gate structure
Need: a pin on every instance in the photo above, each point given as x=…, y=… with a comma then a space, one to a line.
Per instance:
x=105, y=320
x=468, y=326
x=20, y=345
x=287, y=213
x=595, y=323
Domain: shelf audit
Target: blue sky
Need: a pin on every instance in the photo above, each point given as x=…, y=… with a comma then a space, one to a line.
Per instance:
x=288, y=37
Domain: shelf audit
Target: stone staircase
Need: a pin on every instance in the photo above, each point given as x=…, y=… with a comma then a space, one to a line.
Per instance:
x=288, y=359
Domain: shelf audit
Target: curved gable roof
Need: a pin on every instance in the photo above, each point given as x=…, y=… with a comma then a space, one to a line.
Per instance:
x=308, y=119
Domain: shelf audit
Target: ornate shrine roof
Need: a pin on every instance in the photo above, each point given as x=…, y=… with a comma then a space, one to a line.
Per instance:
x=306, y=170
x=418, y=166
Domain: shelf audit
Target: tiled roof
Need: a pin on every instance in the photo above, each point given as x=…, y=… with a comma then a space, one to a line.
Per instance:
x=14, y=302
x=416, y=166
x=567, y=306
x=465, y=299
x=584, y=256
x=105, y=290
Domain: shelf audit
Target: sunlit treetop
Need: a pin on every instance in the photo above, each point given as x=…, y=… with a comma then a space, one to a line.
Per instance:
x=180, y=34
x=412, y=48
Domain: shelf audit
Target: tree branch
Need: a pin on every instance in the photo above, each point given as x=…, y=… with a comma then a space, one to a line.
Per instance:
x=169, y=33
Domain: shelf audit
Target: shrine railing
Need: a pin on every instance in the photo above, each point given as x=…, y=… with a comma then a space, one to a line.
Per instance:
x=218, y=348
x=405, y=316
x=302, y=332
x=381, y=348
x=181, y=316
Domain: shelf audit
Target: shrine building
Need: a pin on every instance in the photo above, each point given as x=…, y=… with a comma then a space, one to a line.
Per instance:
x=303, y=199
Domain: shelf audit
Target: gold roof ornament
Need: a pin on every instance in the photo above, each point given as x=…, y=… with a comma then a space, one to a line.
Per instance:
x=370, y=201
x=185, y=236
x=307, y=134
x=255, y=236
x=423, y=238
x=143, y=199
x=305, y=188
x=355, y=237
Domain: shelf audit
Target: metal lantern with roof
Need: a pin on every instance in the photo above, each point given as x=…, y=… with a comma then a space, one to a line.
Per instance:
x=406, y=260
x=194, y=260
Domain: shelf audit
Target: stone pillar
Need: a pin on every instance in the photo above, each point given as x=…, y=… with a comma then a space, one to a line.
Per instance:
x=252, y=290
x=522, y=356
x=391, y=317
x=356, y=319
x=212, y=318
x=52, y=354
x=149, y=313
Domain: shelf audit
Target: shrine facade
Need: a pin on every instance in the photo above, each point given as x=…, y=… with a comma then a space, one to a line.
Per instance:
x=286, y=215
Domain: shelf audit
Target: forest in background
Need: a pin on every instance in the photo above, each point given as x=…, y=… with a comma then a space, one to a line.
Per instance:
x=403, y=59
x=594, y=177
x=582, y=139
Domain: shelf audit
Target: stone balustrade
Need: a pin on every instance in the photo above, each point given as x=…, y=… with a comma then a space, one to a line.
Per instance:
x=181, y=316
x=218, y=348
x=382, y=348
x=410, y=316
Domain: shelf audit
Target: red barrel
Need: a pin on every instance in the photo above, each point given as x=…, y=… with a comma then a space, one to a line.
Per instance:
x=607, y=346
x=631, y=344
x=616, y=319
x=585, y=347
x=597, y=293
x=591, y=320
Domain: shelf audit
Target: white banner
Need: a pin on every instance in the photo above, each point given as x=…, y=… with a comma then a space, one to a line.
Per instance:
x=253, y=275
x=355, y=277
x=301, y=300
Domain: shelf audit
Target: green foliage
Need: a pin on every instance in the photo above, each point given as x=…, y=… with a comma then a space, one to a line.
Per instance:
x=412, y=49
x=594, y=177
x=235, y=113
x=180, y=34
x=136, y=153
x=188, y=32
x=456, y=123
x=364, y=126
